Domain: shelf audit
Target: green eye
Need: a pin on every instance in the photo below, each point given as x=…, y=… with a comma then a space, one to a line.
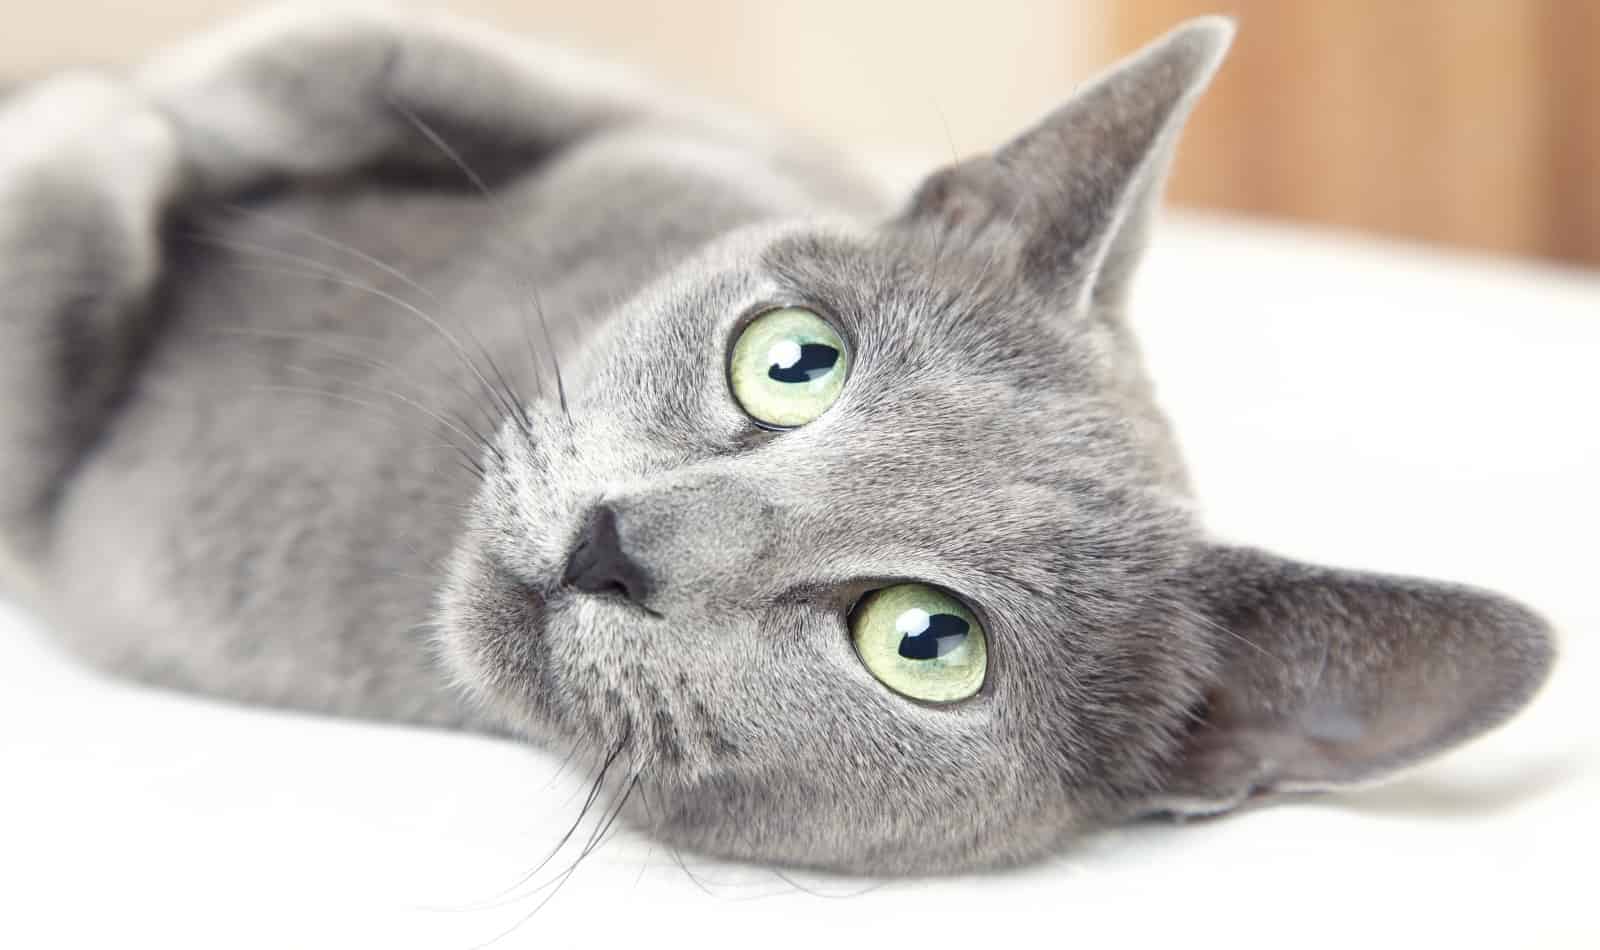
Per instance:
x=920, y=642
x=788, y=367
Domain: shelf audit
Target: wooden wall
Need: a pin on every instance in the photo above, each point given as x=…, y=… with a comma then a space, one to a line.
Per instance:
x=1468, y=122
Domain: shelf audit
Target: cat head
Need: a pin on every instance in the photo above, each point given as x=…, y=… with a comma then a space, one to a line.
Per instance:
x=865, y=547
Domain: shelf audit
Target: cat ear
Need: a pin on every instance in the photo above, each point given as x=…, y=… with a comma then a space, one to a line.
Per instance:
x=1332, y=677
x=1075, y=192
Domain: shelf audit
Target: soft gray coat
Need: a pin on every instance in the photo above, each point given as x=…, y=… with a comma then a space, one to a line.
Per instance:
x=322, y=340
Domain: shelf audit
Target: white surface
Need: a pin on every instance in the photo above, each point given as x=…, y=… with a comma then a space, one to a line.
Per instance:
x=1354, y=403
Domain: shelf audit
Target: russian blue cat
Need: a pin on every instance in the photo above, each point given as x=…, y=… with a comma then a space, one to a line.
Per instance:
x=382, y=365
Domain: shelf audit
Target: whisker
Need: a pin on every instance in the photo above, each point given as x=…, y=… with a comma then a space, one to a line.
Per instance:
x=335, y=276
x=370, y=259
x=459, y=423
x=785, y=878
x=334, y=243
x=565, y=761
x=594, y=795
x=533, y=358
x=645, y=864
x=569, y=798
x=677, y=857
x=812, y=892
x=555, y=884
x=341, y=397
x=597, y=839
x=321, y=340
x=1202, y=619
x=498, y=210
x=519, y=412
x=471, y=434
x=382, y=416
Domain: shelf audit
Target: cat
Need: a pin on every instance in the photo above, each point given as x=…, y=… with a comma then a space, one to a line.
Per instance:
x=379, y=364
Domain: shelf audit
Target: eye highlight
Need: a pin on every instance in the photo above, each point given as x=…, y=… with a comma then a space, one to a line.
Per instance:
x=788, y=367
x=920, y=642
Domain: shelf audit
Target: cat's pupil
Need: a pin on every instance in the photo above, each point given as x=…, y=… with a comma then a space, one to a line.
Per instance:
x=797, y=363
x=940, y=634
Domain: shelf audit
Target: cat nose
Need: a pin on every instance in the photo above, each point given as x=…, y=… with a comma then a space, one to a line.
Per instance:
x=599, y=564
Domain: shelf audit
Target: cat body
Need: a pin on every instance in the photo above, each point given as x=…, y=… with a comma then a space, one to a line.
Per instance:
x=376, y=364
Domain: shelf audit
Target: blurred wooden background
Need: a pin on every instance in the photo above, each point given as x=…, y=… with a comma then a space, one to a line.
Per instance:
x=1467, y=122
x=1473, y=123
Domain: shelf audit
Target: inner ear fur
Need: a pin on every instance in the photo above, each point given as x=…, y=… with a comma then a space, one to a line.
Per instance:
x=1331, y=677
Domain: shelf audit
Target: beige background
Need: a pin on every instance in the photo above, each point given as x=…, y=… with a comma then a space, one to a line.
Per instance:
x=889, y=75
x=1466, y=122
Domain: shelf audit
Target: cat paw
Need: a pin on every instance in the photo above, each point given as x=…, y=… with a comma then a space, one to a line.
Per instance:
x=87, y=127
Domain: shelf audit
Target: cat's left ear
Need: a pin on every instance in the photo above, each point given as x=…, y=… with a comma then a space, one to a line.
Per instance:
x=1331, y=677
x=1072, y=197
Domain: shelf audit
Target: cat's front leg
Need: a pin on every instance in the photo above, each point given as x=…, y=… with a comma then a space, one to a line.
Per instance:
x=87, y=171
x=302, y=90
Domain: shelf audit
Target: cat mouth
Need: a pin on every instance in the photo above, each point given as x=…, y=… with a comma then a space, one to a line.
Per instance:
x=616, y=600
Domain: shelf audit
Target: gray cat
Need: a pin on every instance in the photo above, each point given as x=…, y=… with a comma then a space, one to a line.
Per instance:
x=847, y=534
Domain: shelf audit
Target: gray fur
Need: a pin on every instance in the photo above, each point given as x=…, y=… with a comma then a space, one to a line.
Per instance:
x=182, y=500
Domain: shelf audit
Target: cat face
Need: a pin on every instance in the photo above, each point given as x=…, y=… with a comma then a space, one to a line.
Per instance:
x=971, y=450
x=865, y=547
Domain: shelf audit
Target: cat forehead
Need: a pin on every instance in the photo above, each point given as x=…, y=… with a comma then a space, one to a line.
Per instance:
x=950, y=363
x=940, y=335
x=911, y=297
x=959, y=384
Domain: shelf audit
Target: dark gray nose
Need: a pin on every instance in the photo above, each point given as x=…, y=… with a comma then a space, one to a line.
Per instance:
x=600, y=565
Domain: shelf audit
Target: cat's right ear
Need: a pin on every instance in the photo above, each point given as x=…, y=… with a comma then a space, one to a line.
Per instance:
x=1069, y=200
